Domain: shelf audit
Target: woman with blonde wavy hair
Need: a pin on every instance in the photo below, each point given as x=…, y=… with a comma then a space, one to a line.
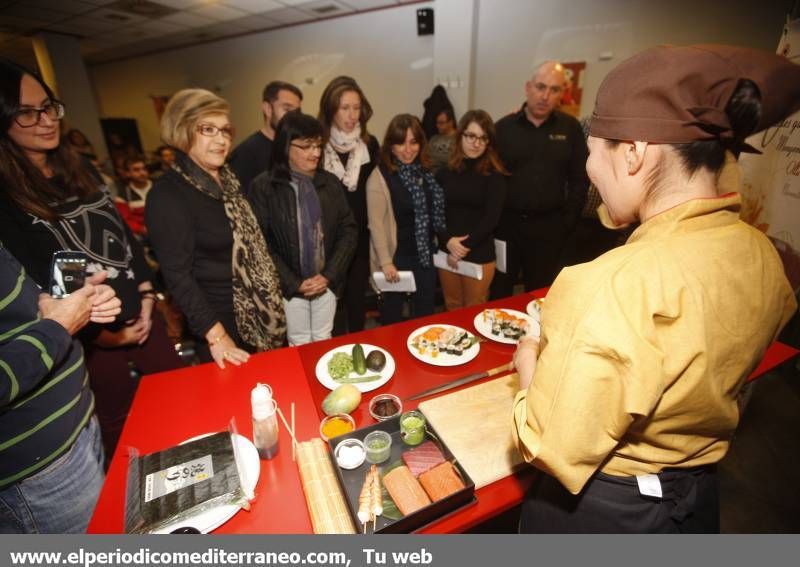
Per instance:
x=212, y=254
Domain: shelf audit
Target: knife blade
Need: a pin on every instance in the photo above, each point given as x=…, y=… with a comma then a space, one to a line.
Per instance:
x=461, y=381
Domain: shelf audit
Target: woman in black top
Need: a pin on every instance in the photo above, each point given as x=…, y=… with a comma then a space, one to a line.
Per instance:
x=305, y=218
x=50, y=200
x=475, y=190
x=209, y=247
x=350, y=153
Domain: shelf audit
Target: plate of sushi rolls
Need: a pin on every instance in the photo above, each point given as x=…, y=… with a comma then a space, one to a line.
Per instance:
x=506, y=326
x=443, y=345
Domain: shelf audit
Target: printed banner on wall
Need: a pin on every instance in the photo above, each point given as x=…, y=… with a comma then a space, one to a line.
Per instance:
x=771, y=187
x=571, y=101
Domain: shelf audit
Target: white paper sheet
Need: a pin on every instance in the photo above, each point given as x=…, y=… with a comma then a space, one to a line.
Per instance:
x=469, y=269
x=500, y=255
x=407, y=282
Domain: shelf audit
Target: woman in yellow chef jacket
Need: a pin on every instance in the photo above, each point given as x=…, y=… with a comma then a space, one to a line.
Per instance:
x=629, y=399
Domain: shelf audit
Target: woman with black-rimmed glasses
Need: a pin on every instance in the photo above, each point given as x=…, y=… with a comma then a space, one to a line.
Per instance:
x=474, y=185
x=307, y=222
x=211, y=252
x=52, y=200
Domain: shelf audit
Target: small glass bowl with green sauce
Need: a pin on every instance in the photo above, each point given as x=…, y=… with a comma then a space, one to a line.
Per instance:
x=379, y=446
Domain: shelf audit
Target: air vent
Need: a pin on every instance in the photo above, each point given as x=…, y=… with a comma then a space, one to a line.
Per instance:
x=142, y=8
x=325, y=9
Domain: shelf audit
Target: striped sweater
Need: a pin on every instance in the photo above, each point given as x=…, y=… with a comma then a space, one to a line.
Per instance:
x=45, y=398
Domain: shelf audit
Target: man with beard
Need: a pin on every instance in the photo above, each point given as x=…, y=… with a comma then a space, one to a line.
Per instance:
x=252, y=156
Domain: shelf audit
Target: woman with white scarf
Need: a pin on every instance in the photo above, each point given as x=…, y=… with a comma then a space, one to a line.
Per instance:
x=350, y=153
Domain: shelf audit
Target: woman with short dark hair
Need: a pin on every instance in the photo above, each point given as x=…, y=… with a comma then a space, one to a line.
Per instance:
x=406, y=209
x=307, y=222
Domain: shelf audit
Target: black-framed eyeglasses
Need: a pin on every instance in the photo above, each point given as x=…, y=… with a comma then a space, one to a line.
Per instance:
x=307, y=147
x=210, y=131
x=29, y=116
x=473, y=138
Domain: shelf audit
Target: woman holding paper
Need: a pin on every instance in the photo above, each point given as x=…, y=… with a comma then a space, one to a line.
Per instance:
x=405, y=208
x=474, y=190
x=633, y=398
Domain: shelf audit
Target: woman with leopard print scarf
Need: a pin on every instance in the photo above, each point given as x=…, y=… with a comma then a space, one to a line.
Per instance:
x=212, y=254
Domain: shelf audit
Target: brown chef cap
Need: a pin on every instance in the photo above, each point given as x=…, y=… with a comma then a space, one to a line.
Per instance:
x=676, y=95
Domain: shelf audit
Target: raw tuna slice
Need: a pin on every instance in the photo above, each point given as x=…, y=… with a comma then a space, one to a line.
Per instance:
x=423, y=458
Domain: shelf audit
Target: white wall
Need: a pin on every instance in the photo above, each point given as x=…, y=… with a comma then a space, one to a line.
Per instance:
x=380, y=49
x=395, y=67
x=515, y=35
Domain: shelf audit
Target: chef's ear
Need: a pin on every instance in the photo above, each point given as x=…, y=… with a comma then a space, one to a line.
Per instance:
x=634, y=155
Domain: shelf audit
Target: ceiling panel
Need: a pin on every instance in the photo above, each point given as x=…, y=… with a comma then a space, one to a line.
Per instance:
x=254, y=6
x=368, y=4
x=219, y=12
x=255, y=22
x=324, y=8
x=287, y=15
x=188, y=19
x=22, y=10
x=110, y=31
x=71, y=7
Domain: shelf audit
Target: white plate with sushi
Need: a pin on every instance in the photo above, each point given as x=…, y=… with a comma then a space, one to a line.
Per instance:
x=506, y=326
x=333, y=374
x=534, y=309
x=443, y=345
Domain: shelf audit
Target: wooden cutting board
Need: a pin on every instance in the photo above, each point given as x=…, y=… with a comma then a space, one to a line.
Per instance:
x=475, y=424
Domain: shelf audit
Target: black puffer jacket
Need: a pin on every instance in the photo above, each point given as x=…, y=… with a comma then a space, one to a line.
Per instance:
x=274, y=203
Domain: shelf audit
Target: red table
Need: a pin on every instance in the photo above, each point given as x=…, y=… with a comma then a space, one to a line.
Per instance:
x=174, y=406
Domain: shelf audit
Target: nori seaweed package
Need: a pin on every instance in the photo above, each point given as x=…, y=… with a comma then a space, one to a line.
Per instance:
x=182, y=481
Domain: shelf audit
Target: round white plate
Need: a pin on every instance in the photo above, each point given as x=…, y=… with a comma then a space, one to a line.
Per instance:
x=326, y=380
x=485, y=329
x=210, y=520
x=442, y=358
x=534, y=309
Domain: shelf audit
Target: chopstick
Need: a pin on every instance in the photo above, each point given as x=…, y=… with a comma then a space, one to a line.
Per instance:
x=289, y=429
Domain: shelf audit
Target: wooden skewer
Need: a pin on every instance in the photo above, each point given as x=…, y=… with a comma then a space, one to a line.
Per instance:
x=290, y=430
x=294, y=444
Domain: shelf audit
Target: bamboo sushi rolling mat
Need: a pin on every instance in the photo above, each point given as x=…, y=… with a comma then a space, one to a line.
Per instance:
x=326, y=505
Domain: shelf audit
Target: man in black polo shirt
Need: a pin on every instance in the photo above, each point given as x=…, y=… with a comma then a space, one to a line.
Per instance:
x=253, y=155
x=545, y=151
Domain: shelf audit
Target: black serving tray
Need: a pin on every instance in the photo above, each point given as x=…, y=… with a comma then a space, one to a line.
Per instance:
x=351, y=481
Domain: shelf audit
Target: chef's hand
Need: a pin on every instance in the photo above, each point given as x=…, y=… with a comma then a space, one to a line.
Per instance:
x=525, y=358
x=390, y=272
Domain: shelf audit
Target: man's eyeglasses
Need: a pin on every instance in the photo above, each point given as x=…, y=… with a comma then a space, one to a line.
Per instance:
x=307, y=147
x=474, y=138
x=210, y=131
x=29, y=116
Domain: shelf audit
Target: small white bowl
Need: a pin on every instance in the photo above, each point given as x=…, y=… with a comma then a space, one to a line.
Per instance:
x=348, y=445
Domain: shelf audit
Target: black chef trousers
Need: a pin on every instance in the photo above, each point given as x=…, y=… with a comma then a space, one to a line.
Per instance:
x=613, y=504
